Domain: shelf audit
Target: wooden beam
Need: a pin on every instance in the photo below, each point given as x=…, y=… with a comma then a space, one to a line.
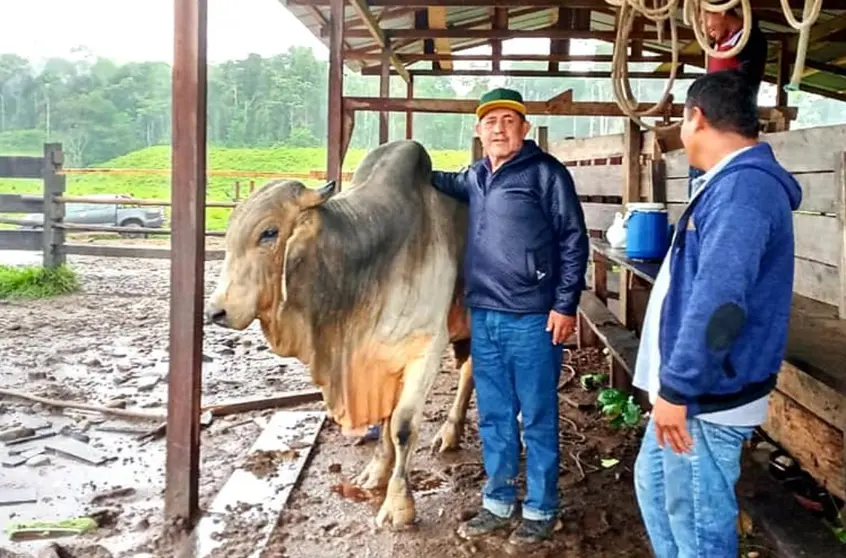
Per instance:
x=21, y=167
x=468, y=106
x=840, y=185
x=188, y=193
x=832, y=67
x=28, y=240
x=18, y=203
x=336, y=91
x=500, y=23
x=385, y=93
x=631, y=193
x=760, y=5
x=409, y=115
x=375, y=32
x=259, y=499
x=492, y=34
x=783, y=75
x=818, y=33
x=437, y=20
x=324, y=23
x=601, y=74
x=359, y=55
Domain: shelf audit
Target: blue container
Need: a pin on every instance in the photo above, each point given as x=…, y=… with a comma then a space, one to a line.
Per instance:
x=647, y=231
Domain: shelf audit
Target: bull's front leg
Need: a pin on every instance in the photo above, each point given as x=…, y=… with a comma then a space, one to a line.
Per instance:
x=377, y=472
x=419, y=375
x=452, y=430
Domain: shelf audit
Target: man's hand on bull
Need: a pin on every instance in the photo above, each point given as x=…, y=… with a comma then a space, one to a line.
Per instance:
x=561, y=326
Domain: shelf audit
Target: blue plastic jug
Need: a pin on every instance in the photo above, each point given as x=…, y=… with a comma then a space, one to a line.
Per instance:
x=647, y=231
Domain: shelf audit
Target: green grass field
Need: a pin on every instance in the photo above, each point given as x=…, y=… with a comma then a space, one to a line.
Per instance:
x=219, y=188
x=36, y=282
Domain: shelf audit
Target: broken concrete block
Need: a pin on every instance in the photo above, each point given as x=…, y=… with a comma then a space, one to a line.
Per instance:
x=38, y=461
x=16, y=433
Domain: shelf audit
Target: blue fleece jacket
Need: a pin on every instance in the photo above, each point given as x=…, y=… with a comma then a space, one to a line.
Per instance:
x=527, y=245
x=724, y=320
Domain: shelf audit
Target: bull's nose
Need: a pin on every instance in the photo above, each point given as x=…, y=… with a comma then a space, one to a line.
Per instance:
x=216, y=316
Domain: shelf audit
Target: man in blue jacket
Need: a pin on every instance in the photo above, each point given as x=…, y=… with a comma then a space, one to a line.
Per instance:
x=524, y=270
x=716, y=325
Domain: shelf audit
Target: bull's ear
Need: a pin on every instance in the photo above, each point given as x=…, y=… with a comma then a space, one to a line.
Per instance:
x=296, y=248
x=312, y=197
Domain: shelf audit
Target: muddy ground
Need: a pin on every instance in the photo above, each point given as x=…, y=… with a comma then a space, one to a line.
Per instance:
x=107, y=345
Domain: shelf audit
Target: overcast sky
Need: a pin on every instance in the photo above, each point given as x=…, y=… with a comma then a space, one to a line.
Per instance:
x=135, y=30
x=139, y=30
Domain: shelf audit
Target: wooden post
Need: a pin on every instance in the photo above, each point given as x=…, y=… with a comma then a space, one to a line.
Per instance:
x=336, y=91
x=384, y=93
x=783, y=73
x=476, y=150
x=599, y=283
x=188, y=195
x=409, y=115
x=657, y=173
x=347, y=131
x=631, y=193
x=840, y=183
x=53, y=243
x=499, y=22
x=542, y=137
x=237, y=190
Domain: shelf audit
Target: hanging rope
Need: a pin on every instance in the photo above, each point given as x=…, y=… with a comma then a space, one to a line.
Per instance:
x=810, y=13
x=662, y=11
x=626, y=13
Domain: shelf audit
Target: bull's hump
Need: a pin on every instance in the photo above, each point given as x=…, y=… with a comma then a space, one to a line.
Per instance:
x=397, y=164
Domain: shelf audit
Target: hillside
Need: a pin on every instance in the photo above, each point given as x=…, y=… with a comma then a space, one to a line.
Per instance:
x=157, y=186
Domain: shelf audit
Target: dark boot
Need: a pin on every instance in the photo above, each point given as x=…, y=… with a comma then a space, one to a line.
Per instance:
x=532, y=532
x=484, y=523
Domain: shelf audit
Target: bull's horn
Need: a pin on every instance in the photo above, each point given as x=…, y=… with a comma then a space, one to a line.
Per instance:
x=327, y=189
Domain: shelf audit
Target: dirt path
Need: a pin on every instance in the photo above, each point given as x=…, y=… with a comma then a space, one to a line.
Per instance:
x=108, y=345
x=600, y=517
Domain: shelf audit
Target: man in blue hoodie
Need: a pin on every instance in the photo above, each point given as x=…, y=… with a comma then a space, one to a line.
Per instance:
x=716, y=326
x=524, y=271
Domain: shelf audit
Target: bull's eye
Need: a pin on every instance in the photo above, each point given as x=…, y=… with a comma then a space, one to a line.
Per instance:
x=269, y=235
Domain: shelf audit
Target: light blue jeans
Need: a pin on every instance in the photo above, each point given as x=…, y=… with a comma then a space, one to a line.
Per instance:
x=516, y=370
x=688, y=501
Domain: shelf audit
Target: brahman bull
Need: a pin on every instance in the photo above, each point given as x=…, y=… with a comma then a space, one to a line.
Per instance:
x=364, y=287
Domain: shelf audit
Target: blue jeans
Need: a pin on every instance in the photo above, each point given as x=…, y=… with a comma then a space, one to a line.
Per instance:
x=516, y=370
x=688, y=501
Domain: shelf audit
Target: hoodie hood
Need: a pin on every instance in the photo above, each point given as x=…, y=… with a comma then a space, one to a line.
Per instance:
x=762, y=157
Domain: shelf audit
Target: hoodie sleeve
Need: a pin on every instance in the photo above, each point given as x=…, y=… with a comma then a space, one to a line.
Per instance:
x=568, y=223
x=732, y=240
x=453, y=184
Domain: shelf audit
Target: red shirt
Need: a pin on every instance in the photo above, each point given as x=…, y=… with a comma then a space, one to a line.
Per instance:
x=717, y=64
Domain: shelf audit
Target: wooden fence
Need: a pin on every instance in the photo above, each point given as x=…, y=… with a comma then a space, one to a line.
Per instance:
x=50, y=238
x=807, y=414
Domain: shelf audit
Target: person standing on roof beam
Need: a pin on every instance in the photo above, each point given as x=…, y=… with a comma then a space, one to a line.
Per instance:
x=725, y=29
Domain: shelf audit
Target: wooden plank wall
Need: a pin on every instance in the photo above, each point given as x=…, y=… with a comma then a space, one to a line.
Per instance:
x=596, y=165
x=811, y=155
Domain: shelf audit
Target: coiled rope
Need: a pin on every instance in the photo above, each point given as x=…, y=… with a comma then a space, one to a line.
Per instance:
x=662, y=11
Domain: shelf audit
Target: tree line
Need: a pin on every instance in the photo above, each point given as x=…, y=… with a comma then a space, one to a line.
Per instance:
x=100, y=109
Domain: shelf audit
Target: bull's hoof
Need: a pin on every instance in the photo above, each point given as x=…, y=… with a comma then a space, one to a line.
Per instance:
x=375, y=475
x=448, y=437
x=398, y=507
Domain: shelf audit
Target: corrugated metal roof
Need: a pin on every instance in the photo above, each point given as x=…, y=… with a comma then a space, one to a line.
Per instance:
x=830, y=81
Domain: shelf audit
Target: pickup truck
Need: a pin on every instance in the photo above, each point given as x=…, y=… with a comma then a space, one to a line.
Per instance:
x=117, y=214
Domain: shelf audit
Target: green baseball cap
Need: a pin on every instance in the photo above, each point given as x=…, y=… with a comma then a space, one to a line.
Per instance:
x=500, y=98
